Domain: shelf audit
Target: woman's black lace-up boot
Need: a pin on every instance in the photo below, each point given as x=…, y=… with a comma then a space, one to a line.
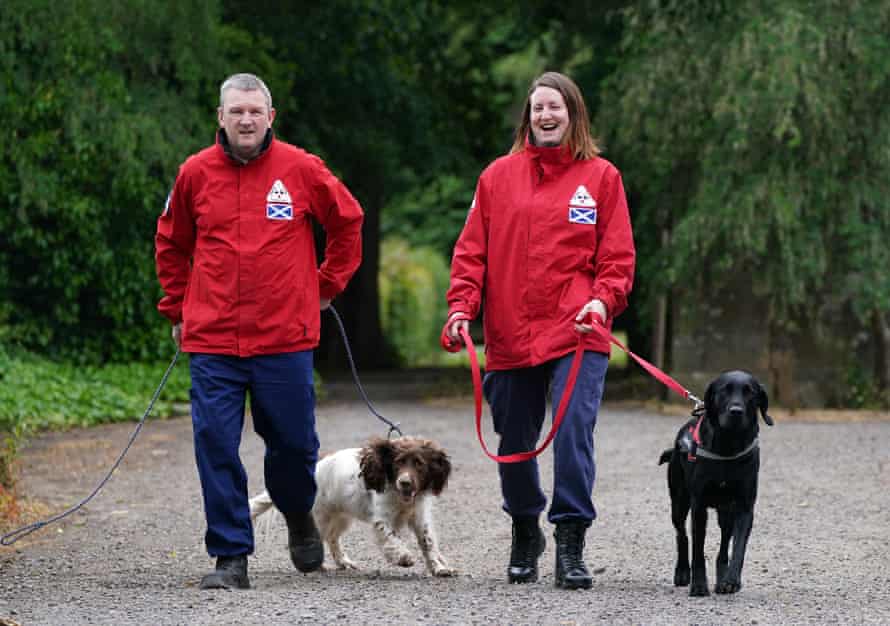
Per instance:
x=571, y=572
x=528, y=545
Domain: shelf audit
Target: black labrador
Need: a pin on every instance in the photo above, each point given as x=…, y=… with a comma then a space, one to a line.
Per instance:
x=714, y=463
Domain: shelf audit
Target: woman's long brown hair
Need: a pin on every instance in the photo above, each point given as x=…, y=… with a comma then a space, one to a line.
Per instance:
x=577, y=136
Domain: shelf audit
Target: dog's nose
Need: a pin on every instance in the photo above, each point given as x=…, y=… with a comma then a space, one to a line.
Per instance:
x=736, y=410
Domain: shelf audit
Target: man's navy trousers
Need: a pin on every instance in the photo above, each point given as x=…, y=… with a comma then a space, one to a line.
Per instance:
x=282, y=406
x=518, y=401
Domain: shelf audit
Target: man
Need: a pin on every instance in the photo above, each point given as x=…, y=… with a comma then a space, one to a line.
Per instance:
x=236, y=259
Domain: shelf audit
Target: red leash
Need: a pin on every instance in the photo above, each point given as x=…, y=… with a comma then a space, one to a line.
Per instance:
x=518, y=457
x=656, y=373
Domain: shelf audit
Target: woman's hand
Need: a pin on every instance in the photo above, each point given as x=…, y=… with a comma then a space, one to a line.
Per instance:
x=596, y=308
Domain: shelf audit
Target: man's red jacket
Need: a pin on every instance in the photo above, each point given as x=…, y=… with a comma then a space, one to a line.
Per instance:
x=235, y=253
x=545, y=235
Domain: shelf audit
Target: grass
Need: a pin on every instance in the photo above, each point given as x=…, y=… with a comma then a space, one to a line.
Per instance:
x=39, y=394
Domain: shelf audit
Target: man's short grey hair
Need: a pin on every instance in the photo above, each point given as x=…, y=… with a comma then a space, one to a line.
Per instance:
x=245, y=82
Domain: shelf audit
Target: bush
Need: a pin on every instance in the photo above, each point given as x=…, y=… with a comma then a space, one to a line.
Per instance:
x=413, y=282
x=39, y=394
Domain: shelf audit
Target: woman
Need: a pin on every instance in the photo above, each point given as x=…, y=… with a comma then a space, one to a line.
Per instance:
x=547, y=245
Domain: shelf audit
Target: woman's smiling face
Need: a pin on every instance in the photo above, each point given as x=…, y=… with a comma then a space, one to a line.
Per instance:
x=549, y=116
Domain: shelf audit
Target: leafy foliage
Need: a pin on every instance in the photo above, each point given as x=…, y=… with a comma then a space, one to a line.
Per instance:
x=413, y=281
x=431, y=215
x=101, y=101
x=754, y=133
x=39, y=394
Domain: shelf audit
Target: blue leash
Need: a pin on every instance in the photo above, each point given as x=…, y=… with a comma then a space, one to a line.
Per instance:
x=393, y=427
x=11, y=537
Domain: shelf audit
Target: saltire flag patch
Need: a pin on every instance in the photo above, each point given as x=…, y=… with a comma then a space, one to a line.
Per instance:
x=279, y=212
x=577, y=215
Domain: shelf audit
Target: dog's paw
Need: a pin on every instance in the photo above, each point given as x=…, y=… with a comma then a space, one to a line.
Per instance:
x=681, y=577
x=698, y=590
x=728, y=586
x=441, y=570
x=344, y=563
x=404, y=560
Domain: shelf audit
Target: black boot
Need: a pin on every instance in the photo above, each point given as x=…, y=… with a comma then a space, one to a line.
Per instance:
x=571, y=573
x=304, y=542
x=528, y=545
x=230, y=573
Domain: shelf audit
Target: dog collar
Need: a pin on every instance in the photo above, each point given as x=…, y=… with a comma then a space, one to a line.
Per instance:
x=689, y=443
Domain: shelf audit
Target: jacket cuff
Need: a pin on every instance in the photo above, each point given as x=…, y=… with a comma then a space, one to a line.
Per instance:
x=608, y=301
x=172, y=312
x=327, y=291
x=457, y=314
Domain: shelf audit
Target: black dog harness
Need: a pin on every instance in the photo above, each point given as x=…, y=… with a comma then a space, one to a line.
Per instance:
x=690, y=443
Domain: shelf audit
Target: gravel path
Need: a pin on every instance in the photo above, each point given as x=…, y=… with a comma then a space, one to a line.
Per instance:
x=818, y=552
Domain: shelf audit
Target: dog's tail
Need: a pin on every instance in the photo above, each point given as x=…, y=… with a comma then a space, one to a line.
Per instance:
x=666, y=456
x=259, y=504
x=268, y=522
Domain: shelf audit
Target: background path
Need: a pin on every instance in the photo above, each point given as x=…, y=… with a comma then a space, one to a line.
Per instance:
x=818, y=552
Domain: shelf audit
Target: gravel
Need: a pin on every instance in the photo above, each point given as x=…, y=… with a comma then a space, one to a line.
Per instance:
x=818, y=553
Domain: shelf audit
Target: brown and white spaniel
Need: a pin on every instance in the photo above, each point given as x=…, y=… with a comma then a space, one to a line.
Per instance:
x=388, y=483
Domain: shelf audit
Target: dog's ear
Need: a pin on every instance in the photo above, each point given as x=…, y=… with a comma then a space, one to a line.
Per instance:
x=763, y=404
x=710, y=400
x=375, y=461
x=439, y=467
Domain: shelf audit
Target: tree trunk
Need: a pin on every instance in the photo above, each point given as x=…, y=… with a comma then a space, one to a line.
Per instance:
x=358, y=307
x=881, y=334
x=781, y=367
x=659, y=329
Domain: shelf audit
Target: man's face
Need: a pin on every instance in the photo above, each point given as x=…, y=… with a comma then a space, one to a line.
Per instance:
x=549, y=116
x=245, y=117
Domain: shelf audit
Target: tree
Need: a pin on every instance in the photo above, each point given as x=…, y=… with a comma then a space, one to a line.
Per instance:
x=400, y=104
x=102, y=101
x=755, y=133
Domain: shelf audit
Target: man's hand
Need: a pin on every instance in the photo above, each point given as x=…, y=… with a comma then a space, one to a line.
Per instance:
x=457, y=323
x=450, y=338
x=595, y=307
x=325, y=303
x=177, y=334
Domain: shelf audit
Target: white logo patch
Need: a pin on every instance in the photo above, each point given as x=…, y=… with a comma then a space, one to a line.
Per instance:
x=278, y=194
x=582, y=198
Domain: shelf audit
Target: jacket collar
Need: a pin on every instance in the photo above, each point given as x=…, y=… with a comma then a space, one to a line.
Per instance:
x=223, y=142
x=555, y=155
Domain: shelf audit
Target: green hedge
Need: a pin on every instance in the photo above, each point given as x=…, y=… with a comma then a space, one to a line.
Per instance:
x=40, y=394
x=413, y=282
